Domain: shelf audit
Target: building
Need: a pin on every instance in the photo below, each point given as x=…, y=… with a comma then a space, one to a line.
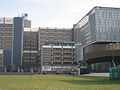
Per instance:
x=9, y=29
x=21, y=47
x=11, y=41
x=51, y=40
x=6, y=40
x=54, y=35
x=97, y=36
x=58, y=57
x=18, y=29
x=30, y=57
x=52, y=44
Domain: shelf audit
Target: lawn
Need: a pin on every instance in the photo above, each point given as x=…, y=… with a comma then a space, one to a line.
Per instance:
x=54, y=82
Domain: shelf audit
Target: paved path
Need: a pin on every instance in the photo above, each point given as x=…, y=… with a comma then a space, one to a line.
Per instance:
x=97, y=74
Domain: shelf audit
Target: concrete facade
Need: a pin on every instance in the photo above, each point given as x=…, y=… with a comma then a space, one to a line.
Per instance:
x=58, y=58
x=54, y=35
x=30, y=48
x=11, y=42
x=6, y=40
x=27, y=49
x=52, y=43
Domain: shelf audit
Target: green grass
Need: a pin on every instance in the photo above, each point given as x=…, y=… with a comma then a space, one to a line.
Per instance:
x=54, y=82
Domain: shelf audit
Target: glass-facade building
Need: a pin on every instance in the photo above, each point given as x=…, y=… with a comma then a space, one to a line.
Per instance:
x=99, y=25
x=96, y=35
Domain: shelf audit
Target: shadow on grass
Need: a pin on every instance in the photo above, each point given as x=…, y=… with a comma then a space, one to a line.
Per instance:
x=93, y=81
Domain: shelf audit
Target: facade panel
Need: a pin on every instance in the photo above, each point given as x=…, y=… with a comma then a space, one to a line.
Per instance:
x=58, y=57
x=30, y=48
x=54, y=35
x=17, y=41
x=7, y=58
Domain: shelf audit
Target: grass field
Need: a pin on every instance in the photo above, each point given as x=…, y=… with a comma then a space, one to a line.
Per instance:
x=54, y=82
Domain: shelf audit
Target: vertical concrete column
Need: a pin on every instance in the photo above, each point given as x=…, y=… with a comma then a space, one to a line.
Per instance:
x=39, y=69
x=52, y=67
x=78, y=71
x=31, y=69
x=18, y=69
x=5, y=69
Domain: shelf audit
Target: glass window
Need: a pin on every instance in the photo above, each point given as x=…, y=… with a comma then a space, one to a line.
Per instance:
x=108, y=22
x=110, y=14
x=105, y=22
x=99, y=21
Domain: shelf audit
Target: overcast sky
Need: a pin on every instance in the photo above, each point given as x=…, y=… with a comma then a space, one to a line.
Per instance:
x=52, y=13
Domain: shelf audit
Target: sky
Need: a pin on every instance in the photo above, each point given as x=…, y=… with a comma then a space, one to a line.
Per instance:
x=52, y=13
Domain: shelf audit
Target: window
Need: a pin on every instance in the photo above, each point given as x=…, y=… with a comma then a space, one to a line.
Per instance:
x=99, y=21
